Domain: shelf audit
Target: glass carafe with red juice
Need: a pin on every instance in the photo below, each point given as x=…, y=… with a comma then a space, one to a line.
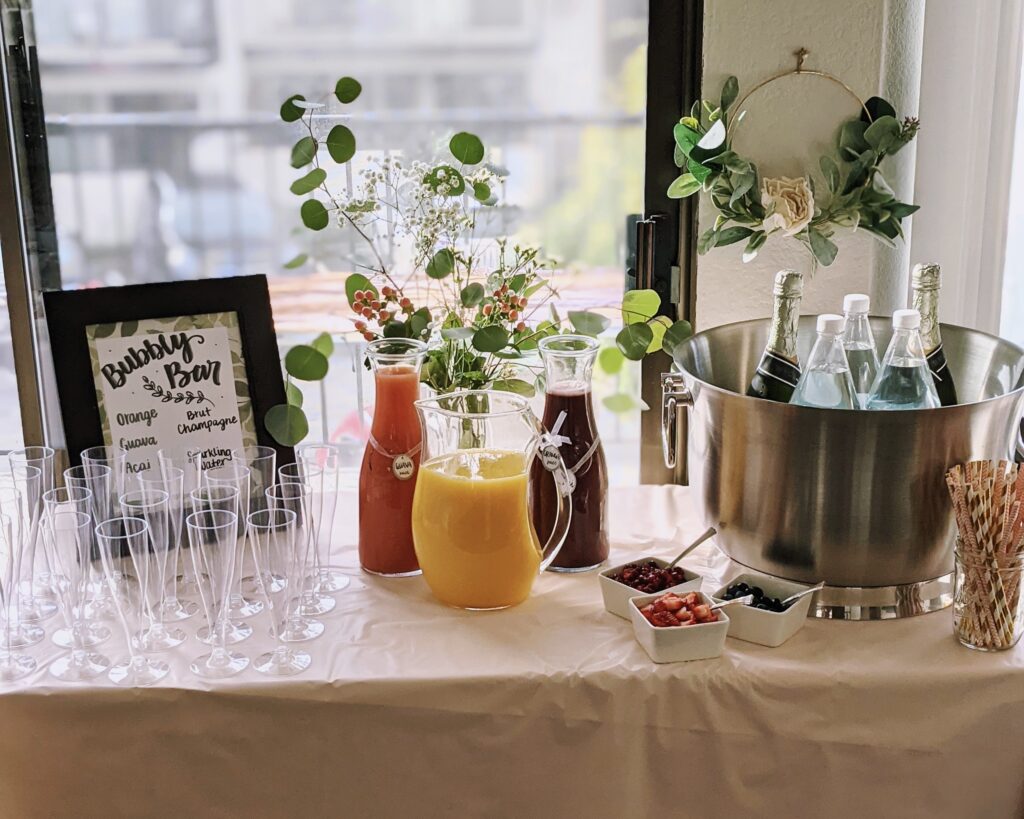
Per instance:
x=387, y=479
x=569, y=366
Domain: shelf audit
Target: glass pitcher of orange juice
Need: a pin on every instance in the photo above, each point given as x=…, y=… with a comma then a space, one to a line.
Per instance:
x=471, y=518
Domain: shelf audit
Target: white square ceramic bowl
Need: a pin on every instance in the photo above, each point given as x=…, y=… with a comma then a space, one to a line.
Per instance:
x=767, y=628
x=675, y=644
x=616, y=595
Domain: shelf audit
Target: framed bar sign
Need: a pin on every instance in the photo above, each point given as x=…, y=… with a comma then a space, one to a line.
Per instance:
x=187, y=367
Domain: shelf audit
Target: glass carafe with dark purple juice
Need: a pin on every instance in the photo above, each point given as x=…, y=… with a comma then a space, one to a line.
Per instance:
x=569, y=366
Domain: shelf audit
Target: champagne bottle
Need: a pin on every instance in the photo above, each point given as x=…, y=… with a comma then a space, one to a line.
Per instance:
x=778, y=372
x=926, y=281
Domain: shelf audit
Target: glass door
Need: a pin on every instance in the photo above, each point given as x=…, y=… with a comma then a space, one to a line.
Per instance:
x=161, y=154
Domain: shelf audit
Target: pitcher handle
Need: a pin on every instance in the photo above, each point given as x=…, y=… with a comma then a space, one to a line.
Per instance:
x=553, y=462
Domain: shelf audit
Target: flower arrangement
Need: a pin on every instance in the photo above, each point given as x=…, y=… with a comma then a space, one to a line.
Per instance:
x=753, y=209
x=482, y=304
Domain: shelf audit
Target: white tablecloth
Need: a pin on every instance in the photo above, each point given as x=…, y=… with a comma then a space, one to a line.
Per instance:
x=549, y=709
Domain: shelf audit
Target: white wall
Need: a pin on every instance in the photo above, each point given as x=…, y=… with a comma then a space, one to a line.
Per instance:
x=872, y=45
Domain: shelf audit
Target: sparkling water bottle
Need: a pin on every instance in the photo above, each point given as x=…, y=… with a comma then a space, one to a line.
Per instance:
x=826, y=380
x=860, y=344
x=904, y=380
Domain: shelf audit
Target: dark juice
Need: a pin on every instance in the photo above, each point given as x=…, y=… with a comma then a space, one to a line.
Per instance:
x=586, y=544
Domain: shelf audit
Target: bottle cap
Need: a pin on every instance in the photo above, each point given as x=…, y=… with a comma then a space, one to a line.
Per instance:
x=906, y=320
x=856, y=303
x=789, y=284
x=926, y=277
x=831, y=323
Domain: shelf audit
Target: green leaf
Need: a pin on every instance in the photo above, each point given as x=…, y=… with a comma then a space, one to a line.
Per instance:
x=446, y=175
x=587, y=323
x=684, y=185
x=676, y=335
x=620, y=402
x=517, y=282
x=639, y=306
x=457, y=333
x=823, y=248
x=490, y=339
x=305, y=363
x=481, y=192
x=741, y=184
x=294, y=394
x=516, y=385
x=296, y=261
x=610, y=360
x=633, y=341
x=699, y=172
x=678, y=157
x=441, y=264
x=707, y=240
x=830, y=171
x=357, y=281
x=314, y=214
x=730, y=91
x=859, y=171
x=324, y=344
x=395, y=329
x=901, y=210
x=303, y=152
x=341, y=144
x=686, y=137
x=659, y=325
x=347, y=90
x=882, y=134
x=472, y=294
x=467, y=148
x=876, y=109
x=851, y=138
x=419, y=322
x=308, y=183
x=711, y=144
x=756, y=242
x=290, y=112
x=286, y=424
x=731, y=235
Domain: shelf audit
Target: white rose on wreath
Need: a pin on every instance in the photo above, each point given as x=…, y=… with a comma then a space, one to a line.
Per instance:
x=789, y=205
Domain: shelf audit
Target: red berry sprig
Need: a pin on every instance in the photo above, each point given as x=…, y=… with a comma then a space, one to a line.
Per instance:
x=381, y=308
x=507, y=306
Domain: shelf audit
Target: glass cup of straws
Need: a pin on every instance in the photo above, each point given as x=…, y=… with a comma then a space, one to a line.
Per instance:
x=988, y=604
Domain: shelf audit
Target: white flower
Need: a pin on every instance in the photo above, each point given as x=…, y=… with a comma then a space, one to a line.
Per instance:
x=789, y=202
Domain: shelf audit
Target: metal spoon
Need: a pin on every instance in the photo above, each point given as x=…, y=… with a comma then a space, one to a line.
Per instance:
x=794, y=597
x=746, y=600
x=711, y=532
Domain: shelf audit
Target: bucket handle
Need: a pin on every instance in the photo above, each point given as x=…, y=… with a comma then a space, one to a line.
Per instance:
x=674, y=395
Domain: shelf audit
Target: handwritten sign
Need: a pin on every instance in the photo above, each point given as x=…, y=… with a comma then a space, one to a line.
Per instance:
x=176, y=384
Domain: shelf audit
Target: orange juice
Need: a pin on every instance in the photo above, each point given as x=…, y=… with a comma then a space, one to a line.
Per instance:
x=472, y=531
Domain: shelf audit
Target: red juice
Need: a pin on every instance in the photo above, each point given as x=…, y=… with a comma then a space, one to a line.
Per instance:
x=385, y=497
x=586, y=544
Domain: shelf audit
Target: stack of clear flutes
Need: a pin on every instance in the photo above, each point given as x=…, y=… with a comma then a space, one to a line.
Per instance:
x=221, y=543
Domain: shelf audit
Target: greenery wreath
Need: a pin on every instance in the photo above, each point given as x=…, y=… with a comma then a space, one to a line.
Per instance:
x=752, y=209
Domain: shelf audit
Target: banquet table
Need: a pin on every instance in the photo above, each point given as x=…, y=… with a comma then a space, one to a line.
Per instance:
x=549, y=709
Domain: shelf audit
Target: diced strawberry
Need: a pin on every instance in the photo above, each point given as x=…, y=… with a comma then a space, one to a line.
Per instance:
x=671, y=603
x=691, y=599
x=662, y=619
x=701, y=612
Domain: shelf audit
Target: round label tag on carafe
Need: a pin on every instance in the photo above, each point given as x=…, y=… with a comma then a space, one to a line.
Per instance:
x=403, y=467
x=549, y=457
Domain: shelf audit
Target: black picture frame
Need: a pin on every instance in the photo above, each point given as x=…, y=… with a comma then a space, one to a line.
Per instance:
x=69, y=312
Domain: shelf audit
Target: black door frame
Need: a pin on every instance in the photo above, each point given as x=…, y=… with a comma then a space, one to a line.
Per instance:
x=674, y=69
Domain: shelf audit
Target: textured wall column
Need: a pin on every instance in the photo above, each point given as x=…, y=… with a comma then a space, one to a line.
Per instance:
x=875, y=48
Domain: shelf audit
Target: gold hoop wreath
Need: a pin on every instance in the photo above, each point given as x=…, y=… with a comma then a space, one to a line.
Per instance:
x=753, y=209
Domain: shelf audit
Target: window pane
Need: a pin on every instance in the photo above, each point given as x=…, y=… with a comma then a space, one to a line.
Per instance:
x=10, y=408
x=169, y=160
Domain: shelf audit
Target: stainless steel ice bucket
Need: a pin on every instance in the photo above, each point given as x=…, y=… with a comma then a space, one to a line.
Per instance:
x=855, y=499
